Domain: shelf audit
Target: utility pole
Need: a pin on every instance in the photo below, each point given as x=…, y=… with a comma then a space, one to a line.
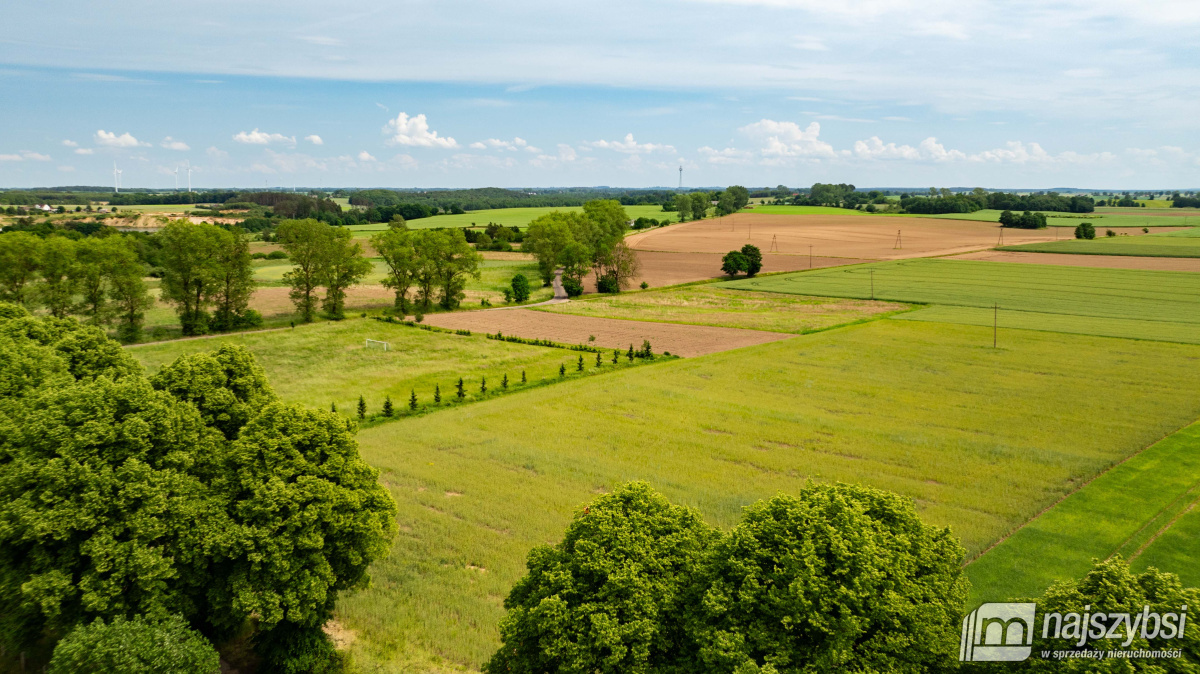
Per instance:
x=872, y=284
x=810, y=256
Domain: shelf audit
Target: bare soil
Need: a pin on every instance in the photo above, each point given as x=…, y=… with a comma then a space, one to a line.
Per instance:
x=680, y=340
x=845, y=236
x=665, y=269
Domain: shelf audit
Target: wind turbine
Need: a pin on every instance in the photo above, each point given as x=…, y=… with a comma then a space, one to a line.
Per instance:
x=189, y=170
x=176, y=172
x=116, y=178
x=681, y=176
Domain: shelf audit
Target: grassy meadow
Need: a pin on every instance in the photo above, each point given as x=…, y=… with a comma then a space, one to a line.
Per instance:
x=335, y=367
x=707, y=304
x=1101, y=218
x=1144, y=304
x=1121, y=512
x=982, y=439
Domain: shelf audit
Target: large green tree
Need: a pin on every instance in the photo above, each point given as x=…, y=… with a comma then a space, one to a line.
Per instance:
x=609, y=597
x=395, y=248
x=202, y=498
x=836, y=578
x=137, y=646
x=20, y=258
x=233, y=280
x=342, y=265
x=548, y=239
x=188, y=255
x=56, y=291
x=306, y=242
x=127, y=288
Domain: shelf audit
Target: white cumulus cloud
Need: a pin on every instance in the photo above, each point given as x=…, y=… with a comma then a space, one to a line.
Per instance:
x=314, y=139
x=257, y=137
x=630, y=146
x=414, y=131
x=172, y=144
x=84, y=150
x=111, y=139
x=515, y=144
x=787, y=139
x=216, y=153
x=24, y=155
x=70, y=143
x=365, y=156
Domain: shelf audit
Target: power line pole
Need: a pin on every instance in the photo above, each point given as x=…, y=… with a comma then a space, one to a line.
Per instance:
x=872, y=284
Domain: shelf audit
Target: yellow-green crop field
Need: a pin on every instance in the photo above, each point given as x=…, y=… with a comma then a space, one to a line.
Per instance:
x=982, y=439
x=507, y=217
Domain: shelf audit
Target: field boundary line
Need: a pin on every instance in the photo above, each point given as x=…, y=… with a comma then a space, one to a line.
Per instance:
x=1068, y=495
x=212, y=336
x=1165, y=528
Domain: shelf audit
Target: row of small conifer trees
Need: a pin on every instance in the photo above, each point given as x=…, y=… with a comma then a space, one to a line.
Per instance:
x=460, y=392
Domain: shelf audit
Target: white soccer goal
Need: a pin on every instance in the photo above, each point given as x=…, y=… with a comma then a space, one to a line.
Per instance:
x=376, y=344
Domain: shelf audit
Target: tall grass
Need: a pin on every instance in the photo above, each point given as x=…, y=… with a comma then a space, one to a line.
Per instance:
x=981, y=439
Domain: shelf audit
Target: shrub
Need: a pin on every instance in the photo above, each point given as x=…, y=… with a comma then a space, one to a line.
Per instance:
x=608, y=284
x=297, y=650
x=1109, y=232
x=277, y=255
x=644, y=285
x=520, y=288
x=362, y=408
x=137, y=646
x=572, y=286
x=1085, y=230
x=387, y=406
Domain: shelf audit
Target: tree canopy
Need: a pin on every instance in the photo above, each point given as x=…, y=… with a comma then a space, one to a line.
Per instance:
x=192, y=493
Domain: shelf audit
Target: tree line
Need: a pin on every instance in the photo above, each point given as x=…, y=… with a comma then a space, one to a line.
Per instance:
x=432, y=263
x=592, y=241
x=979, y=199
x=193, y=503
x=99, y=279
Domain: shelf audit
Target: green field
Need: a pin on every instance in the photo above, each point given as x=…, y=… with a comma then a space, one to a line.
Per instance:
x=982, y=439
x=1101, y=218
x=806, y=210
x=1004, y=319
x=1118, y=513
x=1144, y=304
x=1186, y=244
x=508, y=217
x=337, y=368
x=707, y=304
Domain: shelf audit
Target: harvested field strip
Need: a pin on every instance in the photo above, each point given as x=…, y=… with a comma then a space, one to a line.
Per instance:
x=1172, y=297
x=1115, y=513
x=982, y=439
x=1005, y=319
x=707, y=304
x=679, y=340
x=1141, y=246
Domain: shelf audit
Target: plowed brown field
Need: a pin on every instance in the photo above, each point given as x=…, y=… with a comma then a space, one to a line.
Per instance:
x=680, y=340
x=850, y=236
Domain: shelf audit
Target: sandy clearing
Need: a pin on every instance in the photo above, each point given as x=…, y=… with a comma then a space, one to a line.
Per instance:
x=1104, y=261
x=846, y=236
x=681, y=340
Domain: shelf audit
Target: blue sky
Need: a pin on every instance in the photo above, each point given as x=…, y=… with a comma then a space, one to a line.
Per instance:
x=455, y=93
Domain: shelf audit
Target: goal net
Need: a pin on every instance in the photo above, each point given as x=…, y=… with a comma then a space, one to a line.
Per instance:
x=376, y=344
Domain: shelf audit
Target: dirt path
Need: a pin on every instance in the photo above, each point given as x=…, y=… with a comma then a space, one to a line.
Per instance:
x=1104, y=261
x=680, y=340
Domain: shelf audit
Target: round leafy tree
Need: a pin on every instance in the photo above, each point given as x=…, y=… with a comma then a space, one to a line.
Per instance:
x=607, y=598
x=137, y=646
x=753, y=259
x=734, y=263
x=837, y=578
x=226, y=385
x=520, y=288
x=1085, y=230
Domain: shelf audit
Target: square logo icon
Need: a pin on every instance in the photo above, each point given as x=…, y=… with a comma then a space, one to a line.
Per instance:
x=998, y=633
